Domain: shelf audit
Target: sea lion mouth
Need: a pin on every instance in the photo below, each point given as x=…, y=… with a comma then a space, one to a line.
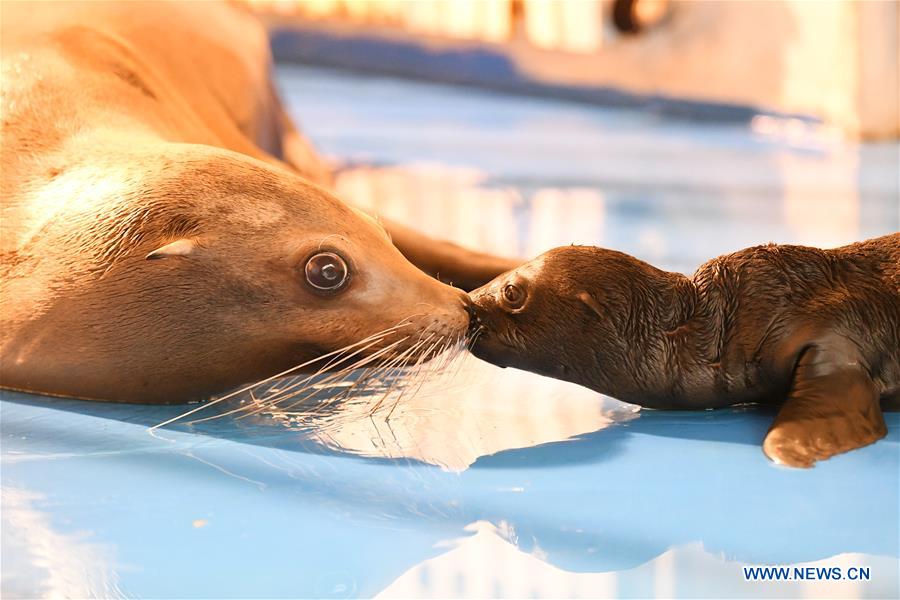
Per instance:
x=497, y=354
x=484, y=342
x=476, y=327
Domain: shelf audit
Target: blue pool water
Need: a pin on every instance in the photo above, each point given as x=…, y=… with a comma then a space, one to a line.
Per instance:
x=490, y=482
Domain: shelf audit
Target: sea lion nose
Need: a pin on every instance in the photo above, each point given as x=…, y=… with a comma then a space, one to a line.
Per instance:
x=474, y=314
x=482, y=323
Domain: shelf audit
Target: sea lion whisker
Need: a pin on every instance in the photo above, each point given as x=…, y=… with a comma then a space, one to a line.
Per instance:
x=402, y=385
x=404, y=322
x=337, y=359
x=444, y=356
x=254, y=385
x=388, y=373
x=339, y=397
x=400, y=397
x=418, y=376
x=290, y=391
x=240, y=391
x=421, y=382
x=417, y=379
x=369, y=380
x=285, y=391
x=448, y=355
x=338, y=375
x=419, y=360
x=397, y=401
x=302, y=385
x=341, y=374
x=361, y=383
x=453, y=360
x=460, y=356
x=436, y=349
x=398, y=362
x=418, y=372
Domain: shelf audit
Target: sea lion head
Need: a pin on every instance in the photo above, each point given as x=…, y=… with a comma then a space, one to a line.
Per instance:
x=566, y=314
x=167, y=277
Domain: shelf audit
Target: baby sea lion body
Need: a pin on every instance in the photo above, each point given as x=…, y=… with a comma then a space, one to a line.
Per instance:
x=166, y=232
x=817, y=331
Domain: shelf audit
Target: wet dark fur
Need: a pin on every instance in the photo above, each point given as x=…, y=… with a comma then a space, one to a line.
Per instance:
x=817, y=330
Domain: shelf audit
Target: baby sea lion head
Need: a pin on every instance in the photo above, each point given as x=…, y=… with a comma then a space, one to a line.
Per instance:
x=565, y=314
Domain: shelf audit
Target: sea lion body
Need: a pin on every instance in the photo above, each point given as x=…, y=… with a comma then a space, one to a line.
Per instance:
x=149, y=130
x=815, y=330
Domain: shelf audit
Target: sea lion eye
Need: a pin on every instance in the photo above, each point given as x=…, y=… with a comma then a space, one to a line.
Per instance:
x=513, y=295
x=326, y=271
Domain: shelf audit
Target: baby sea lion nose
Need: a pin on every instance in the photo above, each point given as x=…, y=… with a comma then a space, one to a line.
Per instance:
x=473, y=311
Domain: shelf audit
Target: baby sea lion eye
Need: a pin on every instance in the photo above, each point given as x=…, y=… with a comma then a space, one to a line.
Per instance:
x=513, y=295
x=326, y=271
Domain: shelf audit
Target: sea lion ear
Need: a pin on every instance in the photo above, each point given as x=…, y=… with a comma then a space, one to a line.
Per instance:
x=591, y=303
x=182, y=247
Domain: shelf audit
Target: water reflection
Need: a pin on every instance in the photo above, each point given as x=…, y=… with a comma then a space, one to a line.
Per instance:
x=449, y=417
x=477, y=412
x=40, y=562
x=603, y=502
x=488, y=564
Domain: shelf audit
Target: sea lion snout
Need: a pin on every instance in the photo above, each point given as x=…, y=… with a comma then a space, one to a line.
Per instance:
x=490, y=324
x=527, y=318
x=424, y=315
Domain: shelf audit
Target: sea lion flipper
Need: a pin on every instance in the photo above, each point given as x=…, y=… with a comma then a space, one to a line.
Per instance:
x=833, y=407
x=446, y=261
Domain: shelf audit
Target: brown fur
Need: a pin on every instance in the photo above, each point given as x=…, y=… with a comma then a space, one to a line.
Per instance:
x=128, y=126
x=815, y=330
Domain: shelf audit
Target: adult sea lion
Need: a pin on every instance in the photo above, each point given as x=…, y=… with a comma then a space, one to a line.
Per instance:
x=163, y=234
x=817, y=331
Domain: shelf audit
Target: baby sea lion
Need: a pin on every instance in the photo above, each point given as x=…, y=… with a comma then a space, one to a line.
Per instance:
x=816, y=331
x=164, y=236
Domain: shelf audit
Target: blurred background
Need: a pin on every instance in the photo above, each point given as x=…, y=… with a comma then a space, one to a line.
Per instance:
x=675, y=131
x=833, y=60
